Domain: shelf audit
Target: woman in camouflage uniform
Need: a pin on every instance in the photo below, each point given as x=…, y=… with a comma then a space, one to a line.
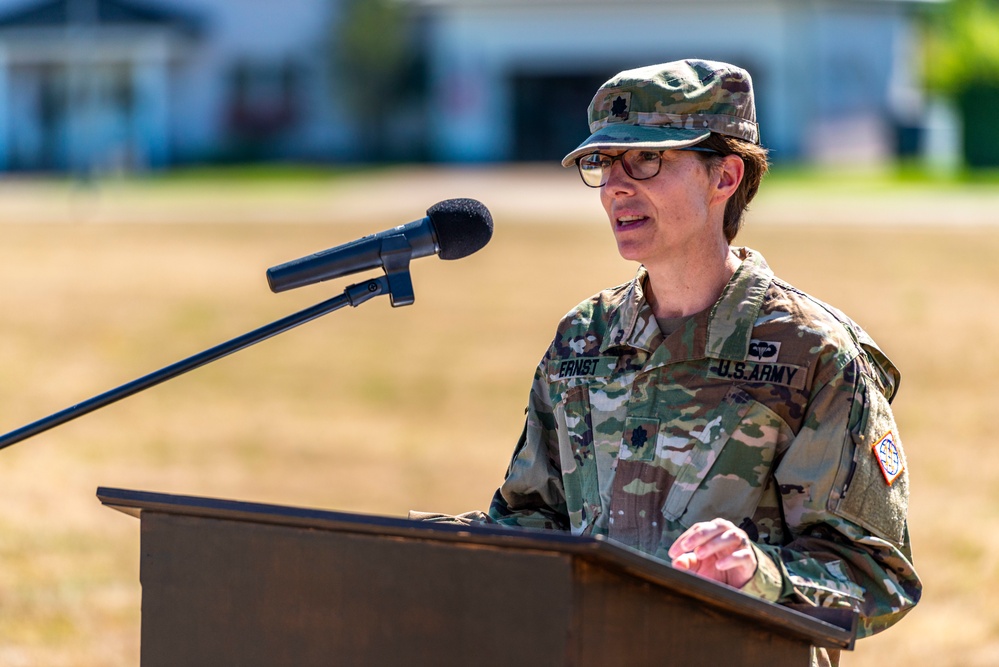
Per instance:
x=707, y=413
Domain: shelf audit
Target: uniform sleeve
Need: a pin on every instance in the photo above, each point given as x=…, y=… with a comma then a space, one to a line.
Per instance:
x=843, y=486
x=532, y=495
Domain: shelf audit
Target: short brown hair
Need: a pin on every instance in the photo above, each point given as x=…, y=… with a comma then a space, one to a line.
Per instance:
x=754, y=157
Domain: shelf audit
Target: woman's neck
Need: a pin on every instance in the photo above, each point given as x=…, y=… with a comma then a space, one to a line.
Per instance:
x=682, y=288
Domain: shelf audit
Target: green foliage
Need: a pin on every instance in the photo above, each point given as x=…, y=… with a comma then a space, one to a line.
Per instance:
x=962, y=45
x=377, y=71
x=370, y=43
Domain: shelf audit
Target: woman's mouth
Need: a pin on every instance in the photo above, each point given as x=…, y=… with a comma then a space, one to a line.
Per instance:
x=630, y=220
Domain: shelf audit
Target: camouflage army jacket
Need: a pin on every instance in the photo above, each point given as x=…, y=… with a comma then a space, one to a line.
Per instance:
x=770, y=410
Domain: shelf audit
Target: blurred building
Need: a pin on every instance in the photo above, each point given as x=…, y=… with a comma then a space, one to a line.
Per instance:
x=511, y=79
x=105, y=85
x=130, y=84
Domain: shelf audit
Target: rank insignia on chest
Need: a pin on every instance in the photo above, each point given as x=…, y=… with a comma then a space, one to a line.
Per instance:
x=889, y=457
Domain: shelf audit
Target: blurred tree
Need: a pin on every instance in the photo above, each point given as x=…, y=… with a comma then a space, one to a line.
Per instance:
x=379, y=71
x=962, y=62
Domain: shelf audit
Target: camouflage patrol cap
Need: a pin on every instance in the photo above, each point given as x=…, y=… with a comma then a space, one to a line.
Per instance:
x=671, y=105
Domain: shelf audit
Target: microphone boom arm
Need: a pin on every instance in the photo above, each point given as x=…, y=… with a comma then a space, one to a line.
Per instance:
x=397, y=283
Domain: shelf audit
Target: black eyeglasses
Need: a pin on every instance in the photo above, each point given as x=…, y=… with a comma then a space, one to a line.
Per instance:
x=640, y=165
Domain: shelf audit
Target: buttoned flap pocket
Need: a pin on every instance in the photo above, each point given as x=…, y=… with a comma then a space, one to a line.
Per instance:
x=699, y=438
x=589, y=413
x=575, y=442
x=876, y=492
x=577, y=456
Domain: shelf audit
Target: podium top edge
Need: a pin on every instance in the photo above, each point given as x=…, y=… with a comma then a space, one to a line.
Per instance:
x=134, y=503
x=819, y=631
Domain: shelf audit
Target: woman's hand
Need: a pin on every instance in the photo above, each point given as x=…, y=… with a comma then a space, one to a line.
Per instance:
x=717, y=550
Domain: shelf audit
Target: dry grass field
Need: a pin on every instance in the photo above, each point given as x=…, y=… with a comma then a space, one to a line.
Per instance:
x=379, y=410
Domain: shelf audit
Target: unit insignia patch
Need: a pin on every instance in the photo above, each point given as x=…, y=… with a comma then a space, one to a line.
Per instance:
x=889, y=458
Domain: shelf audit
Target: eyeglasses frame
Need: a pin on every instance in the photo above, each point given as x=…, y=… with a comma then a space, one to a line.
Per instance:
x=614, y=158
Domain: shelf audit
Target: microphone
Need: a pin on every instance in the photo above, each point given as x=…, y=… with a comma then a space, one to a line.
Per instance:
x=453, y=229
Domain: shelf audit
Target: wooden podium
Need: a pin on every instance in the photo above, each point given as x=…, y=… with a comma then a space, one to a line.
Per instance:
x=235, y=583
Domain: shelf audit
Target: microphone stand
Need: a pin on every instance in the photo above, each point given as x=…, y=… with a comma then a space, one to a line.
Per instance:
x=396, y=282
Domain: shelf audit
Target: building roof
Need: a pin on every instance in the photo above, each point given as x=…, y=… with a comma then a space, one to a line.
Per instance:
x=63, y=13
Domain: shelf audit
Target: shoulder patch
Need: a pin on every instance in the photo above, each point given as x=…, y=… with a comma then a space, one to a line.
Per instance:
x=878, y=456
x=888, y=457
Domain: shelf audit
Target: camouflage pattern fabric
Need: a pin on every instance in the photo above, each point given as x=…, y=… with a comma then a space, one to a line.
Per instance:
x=770, y=410
x=671, y=105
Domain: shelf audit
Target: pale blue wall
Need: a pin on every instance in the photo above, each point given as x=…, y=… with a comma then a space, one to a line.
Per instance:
x=816, y=64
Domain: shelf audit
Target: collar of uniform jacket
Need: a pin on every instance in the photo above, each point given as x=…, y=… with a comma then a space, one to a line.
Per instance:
x=730, y=322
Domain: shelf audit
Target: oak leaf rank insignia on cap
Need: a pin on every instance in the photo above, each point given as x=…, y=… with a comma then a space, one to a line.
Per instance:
x=888, y=456
x=620, y=104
